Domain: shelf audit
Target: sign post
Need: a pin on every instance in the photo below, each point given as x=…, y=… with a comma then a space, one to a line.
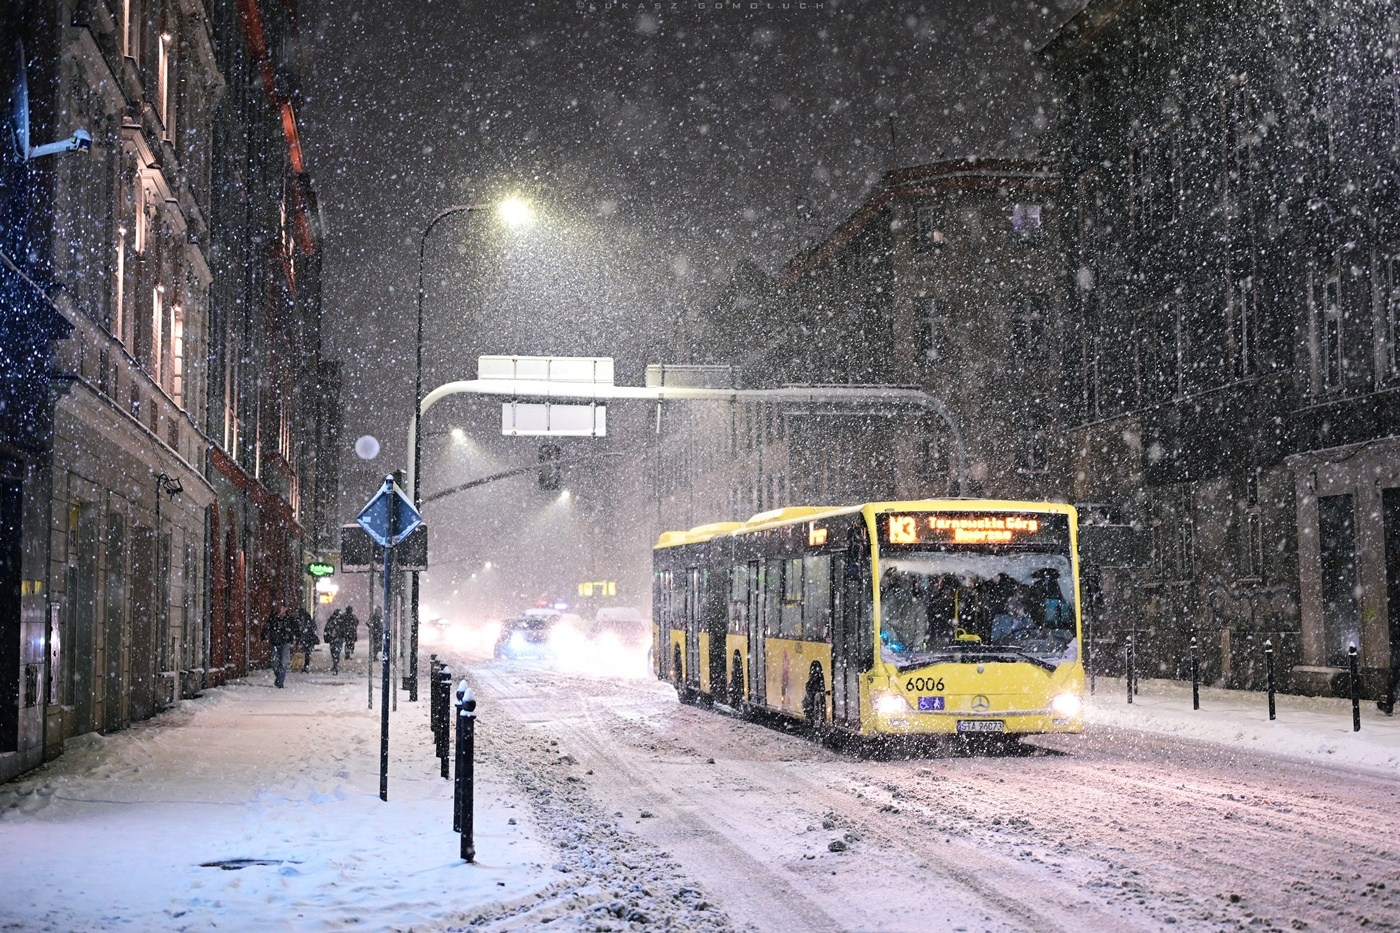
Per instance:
x=388, y=518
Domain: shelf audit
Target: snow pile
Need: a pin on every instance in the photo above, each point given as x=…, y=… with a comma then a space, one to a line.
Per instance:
x=1314, y=728
x=255, y=808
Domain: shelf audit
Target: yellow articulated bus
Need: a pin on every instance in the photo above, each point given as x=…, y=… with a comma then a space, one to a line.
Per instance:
x=889, y=618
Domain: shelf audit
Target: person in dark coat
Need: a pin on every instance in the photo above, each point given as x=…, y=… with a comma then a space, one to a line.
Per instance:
x=376, y=632
x=335, y=638
x=349, y=629
x=279, y=632
x=307, y=637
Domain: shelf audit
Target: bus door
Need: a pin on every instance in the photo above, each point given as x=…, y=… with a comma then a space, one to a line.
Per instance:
x=845, y=635
x=693, y=602
x=661, y=648
x=852, y=629
x=758, y=677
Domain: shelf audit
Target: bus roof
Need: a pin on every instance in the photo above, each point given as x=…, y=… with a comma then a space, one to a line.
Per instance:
x=776, y=518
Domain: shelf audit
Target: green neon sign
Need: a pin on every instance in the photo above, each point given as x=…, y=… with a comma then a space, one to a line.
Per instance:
x=320, y=568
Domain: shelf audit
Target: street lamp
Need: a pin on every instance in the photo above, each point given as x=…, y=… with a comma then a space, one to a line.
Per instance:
x=514, y=212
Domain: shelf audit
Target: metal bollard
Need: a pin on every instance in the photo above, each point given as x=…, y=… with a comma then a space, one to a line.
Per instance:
x=1355, y=689
x=434, y=714
x=1195, y=676
x=437, y=712
x=1129, y=662
x=442, y=695
x=462, y=802
x=1269, y=674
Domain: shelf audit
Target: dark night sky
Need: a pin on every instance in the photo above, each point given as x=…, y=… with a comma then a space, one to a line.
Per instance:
x=663, y=148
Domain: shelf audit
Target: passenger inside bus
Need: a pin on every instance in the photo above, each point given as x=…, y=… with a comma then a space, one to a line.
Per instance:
x=933, y=603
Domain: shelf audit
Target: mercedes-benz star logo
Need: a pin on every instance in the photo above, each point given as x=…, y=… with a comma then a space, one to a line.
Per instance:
x=980, y=703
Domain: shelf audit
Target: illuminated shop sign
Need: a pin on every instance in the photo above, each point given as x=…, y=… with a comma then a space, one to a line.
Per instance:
x=816, y=535
x=955, y=528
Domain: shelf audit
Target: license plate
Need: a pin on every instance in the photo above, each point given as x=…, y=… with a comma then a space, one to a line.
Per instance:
x=981, y=725
x=930, y=704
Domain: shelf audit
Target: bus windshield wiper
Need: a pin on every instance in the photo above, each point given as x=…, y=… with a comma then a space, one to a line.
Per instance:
x=982, y=652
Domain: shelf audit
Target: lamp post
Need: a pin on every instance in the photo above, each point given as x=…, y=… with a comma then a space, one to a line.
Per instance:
x=516, y=213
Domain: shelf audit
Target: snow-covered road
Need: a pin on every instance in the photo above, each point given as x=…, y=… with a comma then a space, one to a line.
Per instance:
x=1115, y=830
x=604, y=805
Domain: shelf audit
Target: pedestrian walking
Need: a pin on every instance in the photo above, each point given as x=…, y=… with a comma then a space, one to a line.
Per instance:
x=280, y=633
x=350, y=629
x=307, y=637
x=376, y=631
x=335, y=638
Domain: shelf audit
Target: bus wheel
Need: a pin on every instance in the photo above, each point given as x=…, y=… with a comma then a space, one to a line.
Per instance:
x=736, y=683
x=814, y=703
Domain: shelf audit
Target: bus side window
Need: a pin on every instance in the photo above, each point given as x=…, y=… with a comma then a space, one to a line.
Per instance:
x=792, y=599
x=739, y=599
x=816, y=597
x=773, y=598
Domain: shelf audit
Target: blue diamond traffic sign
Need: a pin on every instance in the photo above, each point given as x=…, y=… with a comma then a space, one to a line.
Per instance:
x=390, y=516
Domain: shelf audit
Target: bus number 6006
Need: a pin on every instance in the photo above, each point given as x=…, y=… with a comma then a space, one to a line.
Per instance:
x=925, y=683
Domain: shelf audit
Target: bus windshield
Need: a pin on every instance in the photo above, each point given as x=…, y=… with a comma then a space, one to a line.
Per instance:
x=971, y=606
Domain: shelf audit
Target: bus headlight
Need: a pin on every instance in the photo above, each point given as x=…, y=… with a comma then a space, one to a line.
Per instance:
x=891, y=704
x=1067, y=704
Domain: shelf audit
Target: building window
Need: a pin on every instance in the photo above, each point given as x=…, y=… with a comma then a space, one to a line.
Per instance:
x=163, y=75
x=1390, y=312
x=157, y=331
x=1025, y=221
x=928, y=228
x=1253, y=563
x=1186, y=551
x=1241, y=133
x=1160, y=327
x=930, y=328
x=1243, y=326
x=1327, y=312
x=131, y=28
x=933, y=462
x=118, y=328
x=177, y=355
x=1152, y=183
x=1035, y=456
x=1028, y=324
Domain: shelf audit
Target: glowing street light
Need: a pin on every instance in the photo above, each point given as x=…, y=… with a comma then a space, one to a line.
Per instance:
x=516, y=212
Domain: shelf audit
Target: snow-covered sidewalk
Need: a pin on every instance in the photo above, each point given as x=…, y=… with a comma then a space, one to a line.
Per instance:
x=1314, y=728
x=122, y=831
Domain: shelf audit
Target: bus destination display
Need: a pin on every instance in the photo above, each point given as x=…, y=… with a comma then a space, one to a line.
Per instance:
x=976, y=528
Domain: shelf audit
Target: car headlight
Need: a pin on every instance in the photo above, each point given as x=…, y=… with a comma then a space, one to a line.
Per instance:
x=890, y=704
x=1067, y=704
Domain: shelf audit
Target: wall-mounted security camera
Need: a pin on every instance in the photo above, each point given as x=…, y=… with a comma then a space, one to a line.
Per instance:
x=80, y=141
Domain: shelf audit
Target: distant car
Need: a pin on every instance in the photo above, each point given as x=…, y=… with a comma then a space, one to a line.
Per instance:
x=525, y=636
x=629, y=626
x=528, y=635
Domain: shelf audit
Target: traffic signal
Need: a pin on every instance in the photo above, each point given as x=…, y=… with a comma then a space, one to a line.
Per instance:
x=549, y=466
